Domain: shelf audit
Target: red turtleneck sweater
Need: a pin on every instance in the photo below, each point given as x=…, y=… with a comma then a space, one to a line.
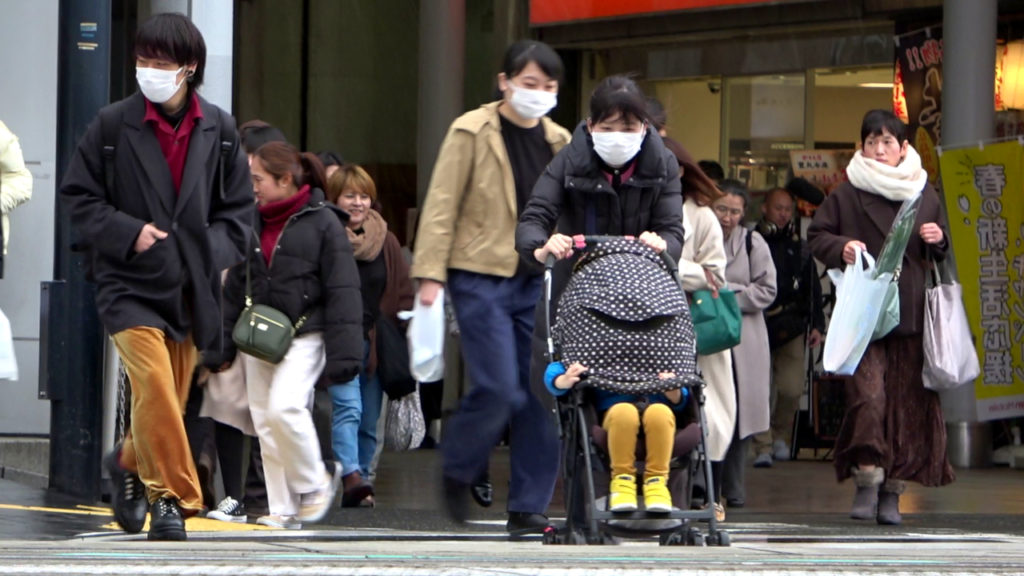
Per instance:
x=275, y=215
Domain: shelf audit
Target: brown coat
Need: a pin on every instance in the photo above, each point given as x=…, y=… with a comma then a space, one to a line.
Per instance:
x=852, y=214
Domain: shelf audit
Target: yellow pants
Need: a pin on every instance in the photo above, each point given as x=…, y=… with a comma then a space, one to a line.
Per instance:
x=160, y=372
x=622, y=421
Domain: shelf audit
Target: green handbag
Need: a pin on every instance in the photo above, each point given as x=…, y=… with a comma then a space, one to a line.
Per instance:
x=717, y=320
x=263, y=331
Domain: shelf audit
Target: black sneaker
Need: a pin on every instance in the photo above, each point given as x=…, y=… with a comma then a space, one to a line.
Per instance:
x=229, y=510
x=523, y=523
x=129, y=494
x=165, y=521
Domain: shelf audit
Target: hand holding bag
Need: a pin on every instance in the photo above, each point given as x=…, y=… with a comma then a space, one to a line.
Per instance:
x=950, y=359
x=426, y=333
x=716, y=316
x=860, y=297
x=263, y=331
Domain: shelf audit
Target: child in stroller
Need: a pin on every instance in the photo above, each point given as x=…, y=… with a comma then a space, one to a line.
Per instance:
x=622, y=416
x=626, y=347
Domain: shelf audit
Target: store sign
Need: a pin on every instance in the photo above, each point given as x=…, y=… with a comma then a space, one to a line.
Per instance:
x=982, y=190
x=826, y=169
x=560, y=11
x=918, y=93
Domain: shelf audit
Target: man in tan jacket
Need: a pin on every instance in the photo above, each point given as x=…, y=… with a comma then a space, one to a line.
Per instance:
x=485, y=172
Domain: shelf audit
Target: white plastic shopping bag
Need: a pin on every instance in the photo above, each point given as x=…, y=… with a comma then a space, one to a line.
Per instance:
x=426, y=339
x=859, y=301
x=8, y=362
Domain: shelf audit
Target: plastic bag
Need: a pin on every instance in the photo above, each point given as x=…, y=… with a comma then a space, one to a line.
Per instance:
x=8, y=361
x=404, y=428
x=425, y=334
x=860, y=297
x=950, y=359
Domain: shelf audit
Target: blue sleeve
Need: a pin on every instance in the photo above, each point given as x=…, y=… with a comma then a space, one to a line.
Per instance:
x=684, y=398
x=554, y=370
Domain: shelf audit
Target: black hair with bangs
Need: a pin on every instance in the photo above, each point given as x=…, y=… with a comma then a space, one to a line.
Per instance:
x=174, y=37
x=735, y=188
x=520, y=54
x=875, y=121
x=618, y=94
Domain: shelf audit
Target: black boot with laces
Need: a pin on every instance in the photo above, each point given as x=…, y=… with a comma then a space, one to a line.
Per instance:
x=165, y=521
x=129, y=494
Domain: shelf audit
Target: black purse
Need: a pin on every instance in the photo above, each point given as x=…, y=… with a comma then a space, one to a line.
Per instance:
x=393, y=360
x=263, y=331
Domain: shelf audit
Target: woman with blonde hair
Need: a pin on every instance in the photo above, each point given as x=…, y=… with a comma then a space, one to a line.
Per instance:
x=386, y=289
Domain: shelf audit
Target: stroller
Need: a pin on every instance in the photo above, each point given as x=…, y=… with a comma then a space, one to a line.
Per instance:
x=624, y=315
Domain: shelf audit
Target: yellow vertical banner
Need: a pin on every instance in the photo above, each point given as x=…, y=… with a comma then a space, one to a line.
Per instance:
x=984, y=191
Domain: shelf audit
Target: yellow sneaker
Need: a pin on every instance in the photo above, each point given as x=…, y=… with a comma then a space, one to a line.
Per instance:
x=622, y=496
x=656, y=495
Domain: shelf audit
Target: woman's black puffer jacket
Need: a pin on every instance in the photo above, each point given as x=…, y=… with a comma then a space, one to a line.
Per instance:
x=572, y=185
x=313, y=273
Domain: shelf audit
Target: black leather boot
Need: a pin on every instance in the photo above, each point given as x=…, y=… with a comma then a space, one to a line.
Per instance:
x=865, y=501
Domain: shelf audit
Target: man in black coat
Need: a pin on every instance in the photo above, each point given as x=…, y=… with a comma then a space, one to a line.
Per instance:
x=159, y=192
x=796, y=308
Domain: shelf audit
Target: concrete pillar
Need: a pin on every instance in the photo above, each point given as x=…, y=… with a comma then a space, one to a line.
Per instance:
x=441, y=65
x=968, y=69
x=968, y=115
x=215, y=19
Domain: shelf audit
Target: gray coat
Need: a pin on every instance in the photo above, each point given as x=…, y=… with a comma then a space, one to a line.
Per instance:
x=752, y=278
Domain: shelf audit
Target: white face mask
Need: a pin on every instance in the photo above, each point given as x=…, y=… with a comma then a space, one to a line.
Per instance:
x=617, y=148
x=532, y=104
x=158, y=86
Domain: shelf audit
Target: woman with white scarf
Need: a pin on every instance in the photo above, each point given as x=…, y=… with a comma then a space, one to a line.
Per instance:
x=893, y=430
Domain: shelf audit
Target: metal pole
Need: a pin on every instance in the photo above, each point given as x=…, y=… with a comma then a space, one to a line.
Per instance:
x=71, y=350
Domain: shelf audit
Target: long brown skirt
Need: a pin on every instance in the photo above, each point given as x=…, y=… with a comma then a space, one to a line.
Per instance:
x=891, y=419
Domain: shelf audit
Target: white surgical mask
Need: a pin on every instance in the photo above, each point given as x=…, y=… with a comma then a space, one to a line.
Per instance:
x=158, y=86
x=617, y=148
x=532, y=104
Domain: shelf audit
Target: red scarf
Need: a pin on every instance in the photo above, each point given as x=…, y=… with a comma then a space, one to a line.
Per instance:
x=275, y=215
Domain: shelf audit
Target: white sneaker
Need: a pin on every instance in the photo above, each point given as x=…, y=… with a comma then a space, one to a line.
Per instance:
x=229, y=510
x=314, y=506
x=780, y=450
x=280, y=522
x=763, y=460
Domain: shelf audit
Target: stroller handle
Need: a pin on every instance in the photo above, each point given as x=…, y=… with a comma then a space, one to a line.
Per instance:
x=582, y=242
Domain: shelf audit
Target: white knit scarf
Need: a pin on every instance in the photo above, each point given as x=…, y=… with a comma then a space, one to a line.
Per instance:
x=899, y=183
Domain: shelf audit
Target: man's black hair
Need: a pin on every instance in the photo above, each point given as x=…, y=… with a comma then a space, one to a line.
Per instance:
x=256, y=133
x=174, y=37
x=330, y=158
x=712, y=169
x=521, y=53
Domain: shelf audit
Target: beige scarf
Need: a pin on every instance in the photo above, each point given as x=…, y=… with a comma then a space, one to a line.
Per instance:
x=367, y=245
x=899, y=183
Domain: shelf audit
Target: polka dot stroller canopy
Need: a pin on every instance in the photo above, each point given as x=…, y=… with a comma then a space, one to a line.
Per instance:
x=624, y=316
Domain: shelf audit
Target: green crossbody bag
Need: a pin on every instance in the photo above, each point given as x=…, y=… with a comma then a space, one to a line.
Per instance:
x=263, y=331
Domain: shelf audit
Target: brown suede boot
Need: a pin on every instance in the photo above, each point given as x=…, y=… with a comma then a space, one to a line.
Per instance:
x=889, y=502
x=865, y=501
x=354, y=490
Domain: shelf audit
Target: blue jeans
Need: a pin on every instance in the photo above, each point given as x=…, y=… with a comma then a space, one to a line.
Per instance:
x=372, y=397
x=346, y=411
x=495, y=317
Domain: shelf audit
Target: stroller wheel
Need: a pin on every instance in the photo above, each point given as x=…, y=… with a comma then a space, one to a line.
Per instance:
x=550, y=536
x=719, y=538
x=674, y=538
